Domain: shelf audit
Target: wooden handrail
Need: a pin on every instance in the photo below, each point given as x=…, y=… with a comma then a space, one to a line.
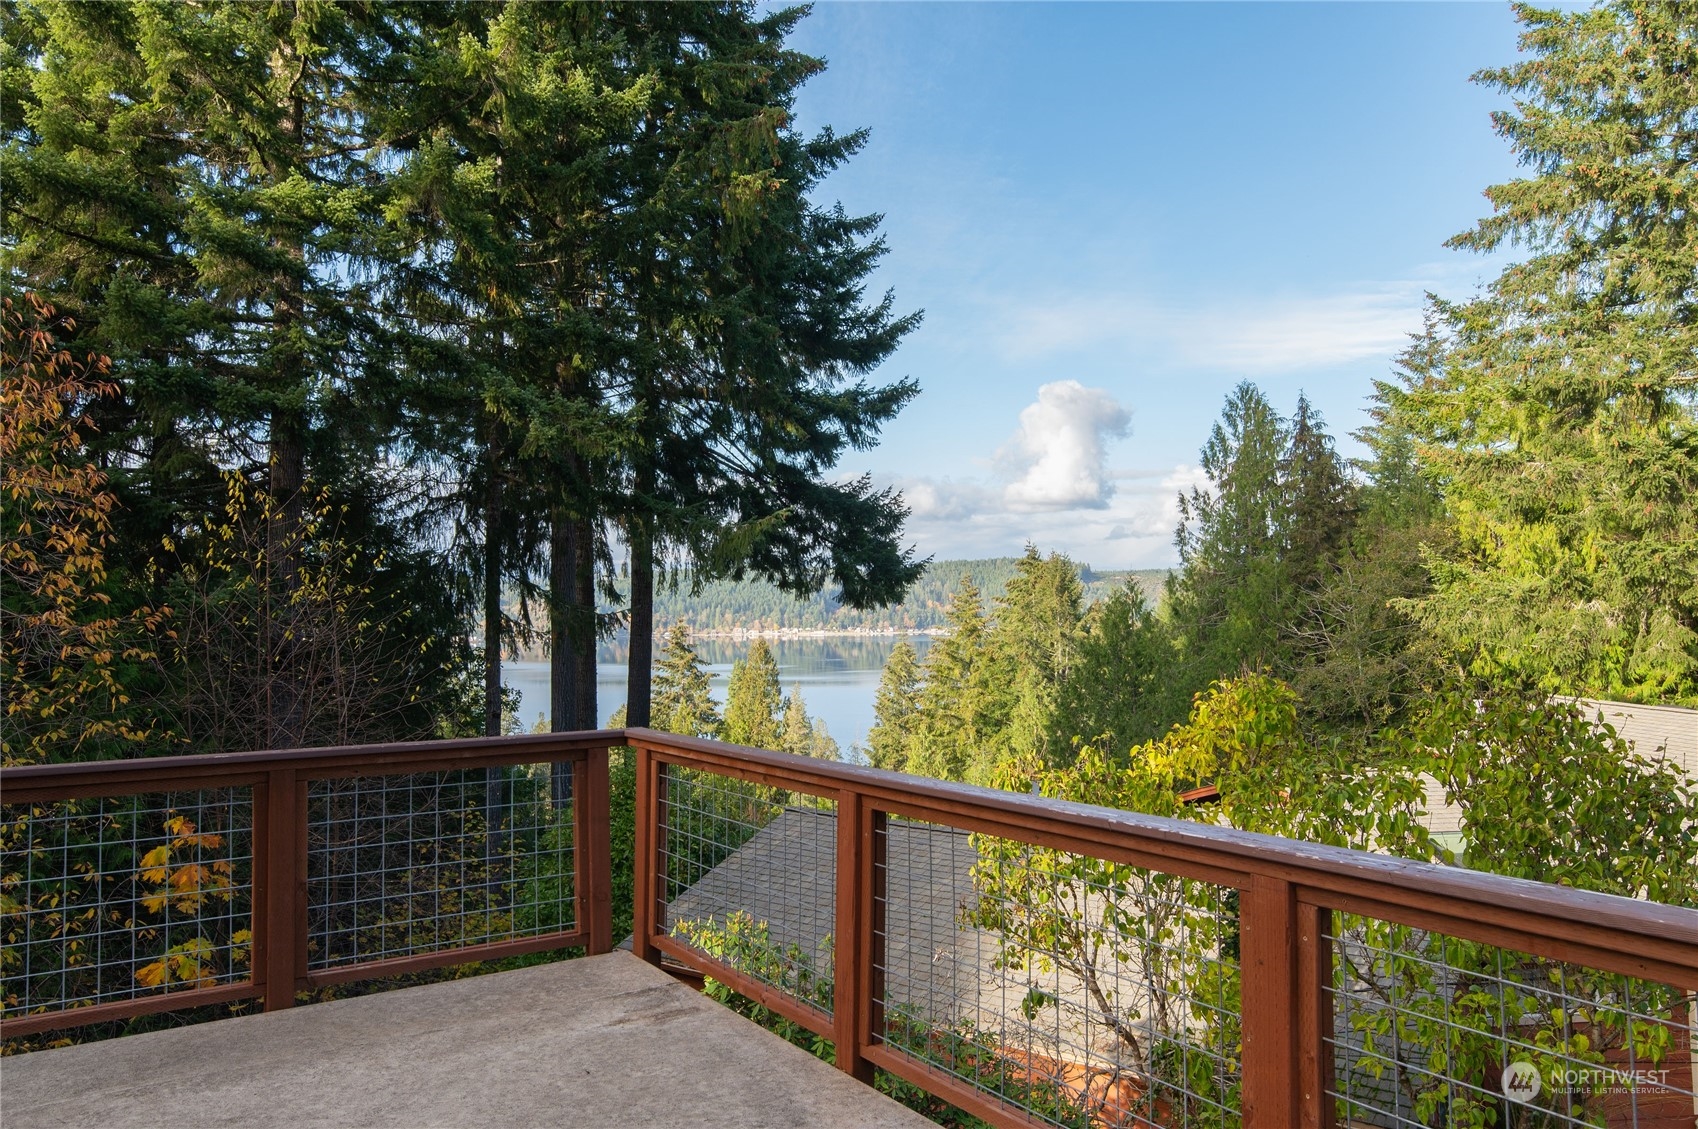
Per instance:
x=27, y=783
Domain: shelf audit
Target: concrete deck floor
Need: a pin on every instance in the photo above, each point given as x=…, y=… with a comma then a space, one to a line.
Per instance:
x=601, y=1041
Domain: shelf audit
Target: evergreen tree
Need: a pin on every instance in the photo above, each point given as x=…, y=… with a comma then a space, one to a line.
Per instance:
x=1359, y=659
x=1233, y=595
x=1563, y=421
x=510, y=192
x=1119, y=691
x=1035, y=641
x=821, y=744
x=963, y=701
x=894, y=709
x=1259, y=543
x=1320, y=501
x=203, y=188
x=682, y=700
x=756, y=336
x=796, y=732
x=753, y=700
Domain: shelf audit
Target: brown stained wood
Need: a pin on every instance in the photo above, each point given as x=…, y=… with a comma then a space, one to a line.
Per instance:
x=1267, y=938
x=1539, y=909
x=591, y=848
x=1094, y=846
x=444, y=958
x=646, y=865
x=1668, y=935
x=280, y=849
x=951, y=1089
x=849, y=987
x=36, y=1023
x=1601, y=931
x=1644, y=958
x=35, y=782
x=753, y=775
x=1316, y=1107
x=780, y=1003
x=303, y=927
x=20, y=792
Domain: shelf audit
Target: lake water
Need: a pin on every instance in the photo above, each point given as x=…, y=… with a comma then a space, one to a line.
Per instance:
x=838, y=678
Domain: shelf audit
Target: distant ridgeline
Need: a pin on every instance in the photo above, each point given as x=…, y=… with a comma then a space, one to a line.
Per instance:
x=725, y=605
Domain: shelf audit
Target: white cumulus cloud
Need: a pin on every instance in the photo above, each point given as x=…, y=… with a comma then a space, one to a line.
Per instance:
x=1056, y=460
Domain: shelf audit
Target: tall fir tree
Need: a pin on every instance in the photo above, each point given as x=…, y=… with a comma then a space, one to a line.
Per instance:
x=756, y=335
x=964, y=700
x=203, y=188
x=1320, y=501
x=1359, y=660
x=1119, y=690
x=683, y=702
x=754, y=700
x=1563, y=421
x=894, y=709
x=1233, y=594
x=796, y=731
x=1035, y=638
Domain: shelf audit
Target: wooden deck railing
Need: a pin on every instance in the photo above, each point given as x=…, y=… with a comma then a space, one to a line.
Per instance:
x=1291, y=897
x=1284, y=906
x=270, y=869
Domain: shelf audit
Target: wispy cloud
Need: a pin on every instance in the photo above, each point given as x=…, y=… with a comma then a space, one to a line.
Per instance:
x=1250, y=335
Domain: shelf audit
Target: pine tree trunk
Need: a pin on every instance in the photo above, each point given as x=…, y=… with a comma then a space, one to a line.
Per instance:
x=640, y=672
x=584, y=645
x=562, y=656
x=492, y=604
x=562, y=605
x=285, y=706
x=496, y=798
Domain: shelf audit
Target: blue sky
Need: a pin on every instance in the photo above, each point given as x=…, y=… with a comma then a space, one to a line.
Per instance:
x=1111, y=214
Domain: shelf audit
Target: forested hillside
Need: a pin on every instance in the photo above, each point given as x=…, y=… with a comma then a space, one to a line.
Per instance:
x=724, y=605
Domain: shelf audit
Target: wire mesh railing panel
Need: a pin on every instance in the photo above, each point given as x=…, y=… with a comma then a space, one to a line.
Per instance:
x=406, y=865
x=1080, y=991
x=1431, y=1030
x=116, y=899
x=749, y=877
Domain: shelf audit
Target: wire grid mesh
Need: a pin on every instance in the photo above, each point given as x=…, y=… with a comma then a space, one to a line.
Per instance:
x=1431, y=1030
x=749, y=876
x=1078, y=990
x=409, y=864
x=113, y=899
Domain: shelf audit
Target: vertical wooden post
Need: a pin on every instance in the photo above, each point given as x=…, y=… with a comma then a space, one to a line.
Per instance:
x=651, y=839
x=848, y=994
x=280, y=831
x=1314, y=1017
x=593, y=843
x=1267, y=941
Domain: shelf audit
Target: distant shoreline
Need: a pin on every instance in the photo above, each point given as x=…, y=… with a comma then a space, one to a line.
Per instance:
x=808, y=632
x=538, y=655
